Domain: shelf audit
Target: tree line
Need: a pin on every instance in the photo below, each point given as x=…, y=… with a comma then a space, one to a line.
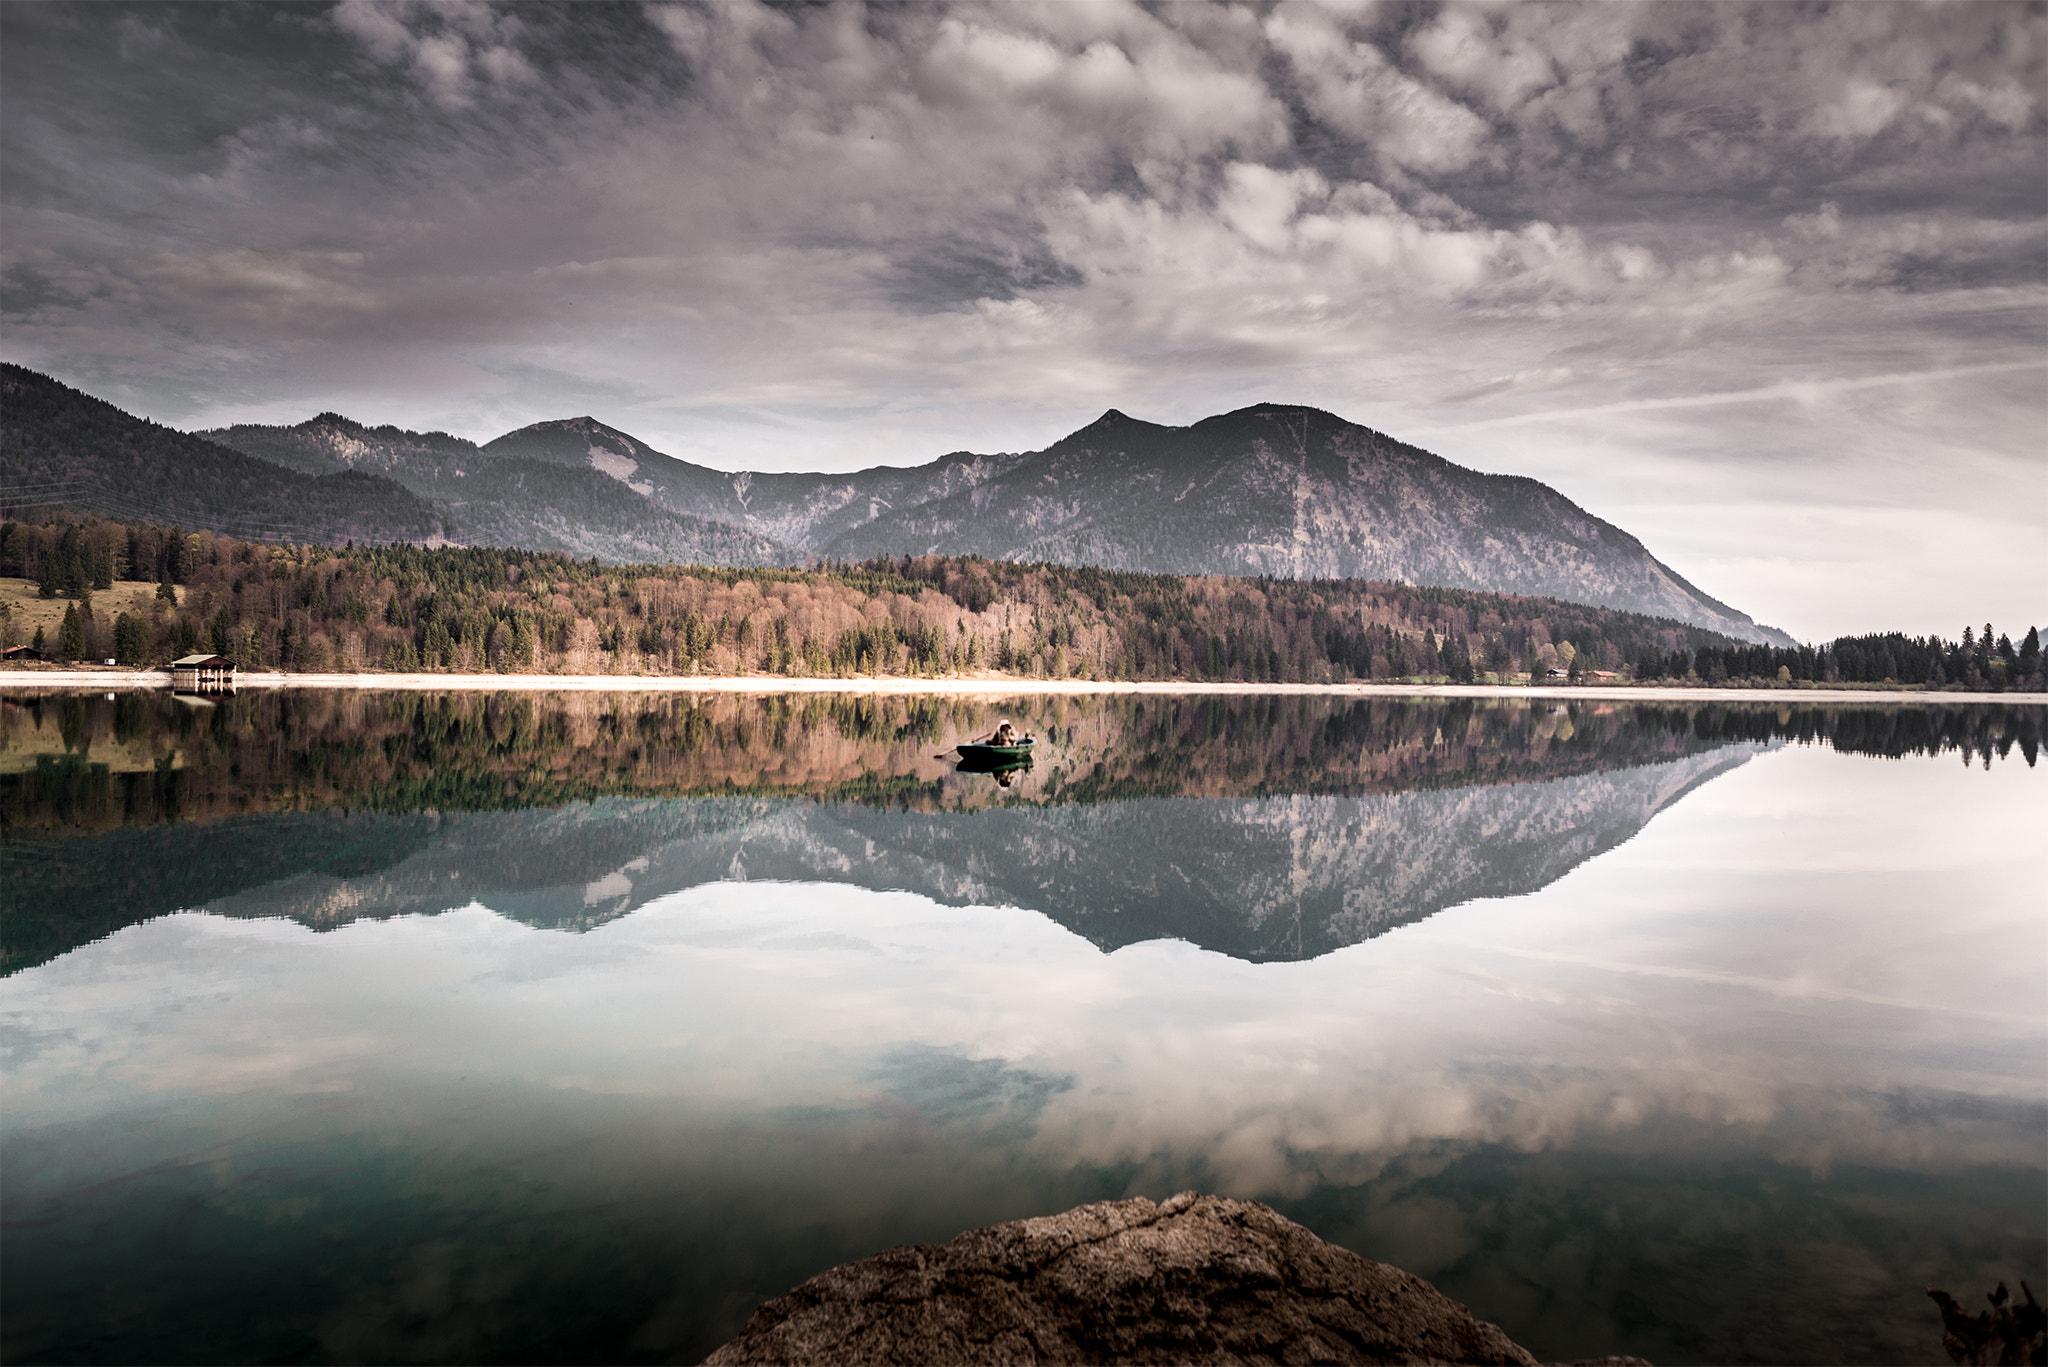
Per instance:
x=1975, y=661
x=407, y=608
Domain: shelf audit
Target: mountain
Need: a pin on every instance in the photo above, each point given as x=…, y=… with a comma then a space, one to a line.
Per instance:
x=1296, y=493
x=522, y=494
x=330, y=442
x=1268, y=490
x=59, y=447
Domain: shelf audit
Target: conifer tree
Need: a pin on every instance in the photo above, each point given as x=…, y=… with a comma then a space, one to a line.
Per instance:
x=71, y=636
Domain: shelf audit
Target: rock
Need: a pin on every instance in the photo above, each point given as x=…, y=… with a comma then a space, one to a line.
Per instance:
x=2008, y=1335
x=1193, y=1279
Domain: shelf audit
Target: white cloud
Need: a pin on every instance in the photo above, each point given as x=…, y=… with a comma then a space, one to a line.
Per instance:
x=1460, y=47
x=786, y=237
x=1353, y=87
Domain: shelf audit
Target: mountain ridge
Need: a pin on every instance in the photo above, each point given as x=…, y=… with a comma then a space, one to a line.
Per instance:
x=1271, y=489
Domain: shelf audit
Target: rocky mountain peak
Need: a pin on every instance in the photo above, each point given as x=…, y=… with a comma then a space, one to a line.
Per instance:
x=1113, y=429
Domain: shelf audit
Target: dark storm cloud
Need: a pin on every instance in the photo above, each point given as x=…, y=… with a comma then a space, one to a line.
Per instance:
x=1555, y=239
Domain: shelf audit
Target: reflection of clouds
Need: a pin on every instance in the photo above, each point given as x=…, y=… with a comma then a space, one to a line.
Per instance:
x=1641, y=1003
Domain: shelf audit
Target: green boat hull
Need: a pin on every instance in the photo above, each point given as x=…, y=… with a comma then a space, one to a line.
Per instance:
x=995, y=754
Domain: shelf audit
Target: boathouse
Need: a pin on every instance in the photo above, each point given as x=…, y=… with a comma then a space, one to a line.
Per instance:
x=203, y=673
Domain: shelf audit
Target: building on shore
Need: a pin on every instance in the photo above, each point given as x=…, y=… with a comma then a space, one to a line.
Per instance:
x=203, y=674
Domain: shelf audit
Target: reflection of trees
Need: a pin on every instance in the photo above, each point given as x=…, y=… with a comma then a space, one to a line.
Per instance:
x=90, y=763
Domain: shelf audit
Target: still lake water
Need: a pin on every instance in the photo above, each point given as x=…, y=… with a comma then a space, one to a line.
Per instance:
x=418, y=1028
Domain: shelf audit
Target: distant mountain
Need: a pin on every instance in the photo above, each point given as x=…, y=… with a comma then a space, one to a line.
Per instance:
x=59, y=447
x=522, y=494
x=1267, y=490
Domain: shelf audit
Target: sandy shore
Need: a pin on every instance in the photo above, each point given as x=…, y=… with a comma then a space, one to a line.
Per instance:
x=991, y=687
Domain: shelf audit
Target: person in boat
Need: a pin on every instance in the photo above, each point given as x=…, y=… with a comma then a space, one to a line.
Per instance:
x=1005, y=734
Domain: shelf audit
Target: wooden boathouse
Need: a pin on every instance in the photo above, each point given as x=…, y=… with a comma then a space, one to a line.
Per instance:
x=203, y=673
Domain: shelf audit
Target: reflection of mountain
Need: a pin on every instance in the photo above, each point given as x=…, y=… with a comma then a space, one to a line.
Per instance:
x=1264, y=827
x=1283, y=877
x=1258, y=878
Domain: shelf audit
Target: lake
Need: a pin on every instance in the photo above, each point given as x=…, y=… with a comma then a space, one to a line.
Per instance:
x=571, y=1027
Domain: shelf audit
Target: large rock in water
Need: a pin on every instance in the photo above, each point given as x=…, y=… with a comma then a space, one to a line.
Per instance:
x=1194, y=1279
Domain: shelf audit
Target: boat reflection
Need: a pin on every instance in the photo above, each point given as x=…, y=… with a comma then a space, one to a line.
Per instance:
x=1004, y=769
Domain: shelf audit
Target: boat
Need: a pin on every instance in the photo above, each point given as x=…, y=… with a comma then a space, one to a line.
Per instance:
x=984, y=752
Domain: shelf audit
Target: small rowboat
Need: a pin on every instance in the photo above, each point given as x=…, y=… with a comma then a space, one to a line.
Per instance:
x=986, y=753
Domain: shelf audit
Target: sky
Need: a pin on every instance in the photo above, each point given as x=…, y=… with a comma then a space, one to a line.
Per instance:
x=1765, y=285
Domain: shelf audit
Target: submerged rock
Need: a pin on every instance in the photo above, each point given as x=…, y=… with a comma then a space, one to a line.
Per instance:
x=1193, y=1279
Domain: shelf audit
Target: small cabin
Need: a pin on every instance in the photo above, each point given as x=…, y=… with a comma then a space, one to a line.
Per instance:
x=21, y=653
x=203, y=673
x=1556, y=672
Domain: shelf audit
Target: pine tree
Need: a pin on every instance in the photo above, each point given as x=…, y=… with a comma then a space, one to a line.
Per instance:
x=131, y=639
x=71, y=636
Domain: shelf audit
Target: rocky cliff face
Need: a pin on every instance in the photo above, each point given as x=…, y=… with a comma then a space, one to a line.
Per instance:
x=1267, y=490
x=1193, y=1279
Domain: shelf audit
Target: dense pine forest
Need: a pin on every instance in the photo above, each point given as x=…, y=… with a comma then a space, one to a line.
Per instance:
x=409, y=609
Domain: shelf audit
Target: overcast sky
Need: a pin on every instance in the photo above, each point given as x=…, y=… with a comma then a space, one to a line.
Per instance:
x=1767, y=286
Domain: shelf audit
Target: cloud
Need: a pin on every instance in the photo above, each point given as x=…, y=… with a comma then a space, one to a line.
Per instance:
x=453, y=49
x=1351, y=86
x=975, y=225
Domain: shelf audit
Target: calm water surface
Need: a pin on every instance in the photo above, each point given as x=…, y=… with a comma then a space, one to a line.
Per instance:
x=571, y=1028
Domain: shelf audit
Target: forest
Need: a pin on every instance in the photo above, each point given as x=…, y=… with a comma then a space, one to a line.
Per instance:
x=411, y=609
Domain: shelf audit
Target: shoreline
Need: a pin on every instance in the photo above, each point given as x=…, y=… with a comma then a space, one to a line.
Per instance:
x=992, y=687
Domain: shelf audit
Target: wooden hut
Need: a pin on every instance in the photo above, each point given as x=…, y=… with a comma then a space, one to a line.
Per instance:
x=203, y=673
x=24, y=653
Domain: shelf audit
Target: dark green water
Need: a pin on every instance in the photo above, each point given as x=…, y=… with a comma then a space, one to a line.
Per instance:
x=572, y=1028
